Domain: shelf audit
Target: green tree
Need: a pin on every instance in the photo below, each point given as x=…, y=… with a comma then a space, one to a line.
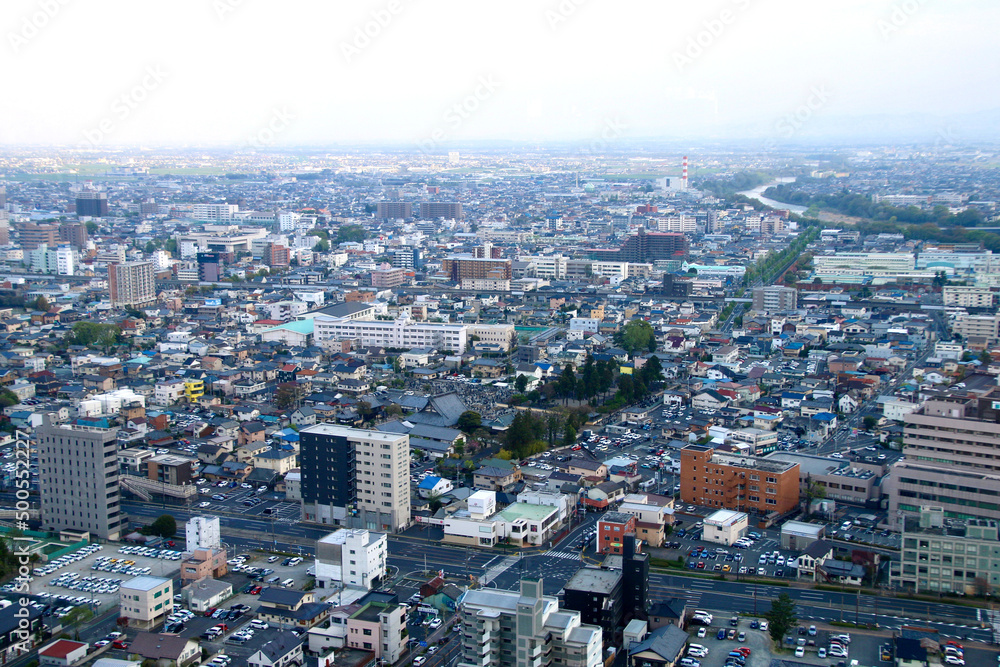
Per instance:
x=92, y=334
x=569, y=436
x=520, y=383
x=42, y=304
x=869, y=423
x=469, y=421
x=566, y=384
x=8, y=398
x=164, y=526
x=322, y=246
x=636, y=336
x=288, y=396
x=91, y=227
x=351, y=233
x=652, y=371
x=781, y=617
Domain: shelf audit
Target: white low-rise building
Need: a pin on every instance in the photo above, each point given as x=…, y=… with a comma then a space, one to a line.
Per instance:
x=725, y=527
x=351, y=557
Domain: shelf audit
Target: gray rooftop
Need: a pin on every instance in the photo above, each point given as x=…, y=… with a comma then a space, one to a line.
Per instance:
x=594, y=580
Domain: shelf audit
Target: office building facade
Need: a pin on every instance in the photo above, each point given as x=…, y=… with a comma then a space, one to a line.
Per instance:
x=209, y=266
x=355, y=478
x=524, y=629
x=947, y=556
x=79, y=479
x=131, y=283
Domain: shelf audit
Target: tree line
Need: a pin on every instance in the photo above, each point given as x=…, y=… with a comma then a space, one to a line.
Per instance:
x=864, y=206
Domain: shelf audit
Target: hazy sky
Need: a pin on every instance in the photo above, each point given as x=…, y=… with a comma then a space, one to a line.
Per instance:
x=429, y=72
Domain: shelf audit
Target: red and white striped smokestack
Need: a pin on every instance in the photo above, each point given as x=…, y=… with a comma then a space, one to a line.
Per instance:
x=684, y=173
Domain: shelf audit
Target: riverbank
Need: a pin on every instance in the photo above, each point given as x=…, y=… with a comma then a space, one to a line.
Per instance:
x=758, y=194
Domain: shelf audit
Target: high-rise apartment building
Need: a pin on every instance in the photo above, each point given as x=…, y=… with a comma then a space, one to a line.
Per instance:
x=978, y=330
x=79, y=489
x=92, y=203
x=73, y=233
x=951, y=459
x=968, y=296
x=462, y=268
x=525, y=629
x=395, y=210
x=355, y=478
x=406, y=257
x=440, y=209
x=383, y=278
x=277, y=255
x=774, y=298
x=743, y=483
x=646, y=247
x=34, y=234
x=214, y=212
x=131, y=283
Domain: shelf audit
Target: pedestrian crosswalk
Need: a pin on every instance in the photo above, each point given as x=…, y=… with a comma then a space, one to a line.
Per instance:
x=567, y=555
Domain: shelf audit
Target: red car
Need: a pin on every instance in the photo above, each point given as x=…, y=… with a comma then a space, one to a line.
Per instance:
x=118, y=643
x=701, y=565
x=209, y=611
x=256, y=590
x=743, y=650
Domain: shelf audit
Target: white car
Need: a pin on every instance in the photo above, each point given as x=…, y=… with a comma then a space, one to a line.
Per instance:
x=800, y=652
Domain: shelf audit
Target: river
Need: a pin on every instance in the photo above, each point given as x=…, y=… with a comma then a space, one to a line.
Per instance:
x=758, y=194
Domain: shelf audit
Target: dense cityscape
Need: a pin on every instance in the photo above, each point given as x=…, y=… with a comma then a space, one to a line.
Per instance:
x=371, y=407
x=473, y=334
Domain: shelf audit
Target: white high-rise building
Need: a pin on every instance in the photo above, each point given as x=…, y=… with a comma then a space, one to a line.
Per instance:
x=65, y=264
x=288, y=221
x=203, y=532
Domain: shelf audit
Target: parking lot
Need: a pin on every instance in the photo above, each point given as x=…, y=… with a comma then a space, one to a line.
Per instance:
x=246, y=500
x=719, y=650
x=197, y=623
x=92, y=574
